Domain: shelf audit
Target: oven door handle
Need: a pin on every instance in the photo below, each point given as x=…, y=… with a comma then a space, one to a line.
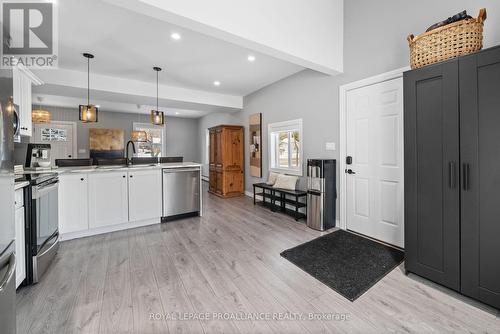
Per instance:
x=41, y=191
x=45, y=251
x=10, y=272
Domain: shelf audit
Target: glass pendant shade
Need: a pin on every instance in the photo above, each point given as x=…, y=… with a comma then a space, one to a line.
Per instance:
x=157, y=117
x=88, y=113
x=139, y=136
x=40, y=116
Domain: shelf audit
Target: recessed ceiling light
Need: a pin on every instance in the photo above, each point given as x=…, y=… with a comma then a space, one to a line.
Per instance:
x=177, y=113
x=251, y=58
x=216, y=83
x=175, y=36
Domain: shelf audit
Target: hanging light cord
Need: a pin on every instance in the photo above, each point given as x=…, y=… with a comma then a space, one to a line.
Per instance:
x=88, y=82
x=157, y=83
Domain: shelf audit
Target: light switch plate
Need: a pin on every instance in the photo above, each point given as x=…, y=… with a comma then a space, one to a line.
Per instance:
x=330, y=146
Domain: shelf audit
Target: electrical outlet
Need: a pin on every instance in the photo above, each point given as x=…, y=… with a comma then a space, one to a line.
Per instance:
x=330, y=146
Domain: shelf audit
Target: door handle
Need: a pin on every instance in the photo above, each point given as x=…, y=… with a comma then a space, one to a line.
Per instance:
x=452, y=174
x=350, y=171
x=466, y=176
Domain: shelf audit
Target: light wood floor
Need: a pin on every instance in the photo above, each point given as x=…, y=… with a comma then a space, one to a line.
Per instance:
x=227, y=261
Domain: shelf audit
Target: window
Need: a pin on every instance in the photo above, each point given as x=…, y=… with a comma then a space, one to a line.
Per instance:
x=155, y=145
x=285, y=147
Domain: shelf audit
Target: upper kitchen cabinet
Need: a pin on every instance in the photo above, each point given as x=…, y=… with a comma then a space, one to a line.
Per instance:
x=23, y=79
x=108, y=198
x=145, y=194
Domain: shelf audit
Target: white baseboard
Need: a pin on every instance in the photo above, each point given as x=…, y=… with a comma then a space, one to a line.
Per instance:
x=108, y=229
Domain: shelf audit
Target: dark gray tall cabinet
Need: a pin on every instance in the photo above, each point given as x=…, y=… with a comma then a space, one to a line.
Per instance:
x=452, y=174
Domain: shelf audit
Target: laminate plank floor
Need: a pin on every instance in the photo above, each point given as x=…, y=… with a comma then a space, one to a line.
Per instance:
x=222, y=273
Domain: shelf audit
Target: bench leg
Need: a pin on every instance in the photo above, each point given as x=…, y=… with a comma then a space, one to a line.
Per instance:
x=253, y=195
x=296, y=208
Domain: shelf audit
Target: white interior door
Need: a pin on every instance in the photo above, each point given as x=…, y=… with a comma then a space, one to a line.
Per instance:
x=375, y=198
x=60, y=136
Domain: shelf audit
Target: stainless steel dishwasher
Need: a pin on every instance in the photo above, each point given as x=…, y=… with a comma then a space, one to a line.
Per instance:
x=181, y=193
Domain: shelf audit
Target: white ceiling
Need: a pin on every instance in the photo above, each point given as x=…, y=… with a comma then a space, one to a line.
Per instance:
x=127, y=44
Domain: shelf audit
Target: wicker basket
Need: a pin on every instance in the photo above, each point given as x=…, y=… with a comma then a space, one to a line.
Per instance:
x=453, y=40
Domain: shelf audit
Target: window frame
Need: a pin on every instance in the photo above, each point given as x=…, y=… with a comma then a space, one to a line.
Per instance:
x=292, y=125
x=140, y=125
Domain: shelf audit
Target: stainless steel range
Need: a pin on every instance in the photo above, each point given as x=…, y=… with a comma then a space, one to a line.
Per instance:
x=42, y=231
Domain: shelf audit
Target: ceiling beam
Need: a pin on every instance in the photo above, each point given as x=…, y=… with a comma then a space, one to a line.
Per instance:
x=61, y=81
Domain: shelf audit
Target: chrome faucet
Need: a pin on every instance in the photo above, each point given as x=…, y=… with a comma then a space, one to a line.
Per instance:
x=129, y=160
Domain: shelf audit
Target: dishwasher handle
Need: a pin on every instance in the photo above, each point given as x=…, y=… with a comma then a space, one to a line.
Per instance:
x=179, y=170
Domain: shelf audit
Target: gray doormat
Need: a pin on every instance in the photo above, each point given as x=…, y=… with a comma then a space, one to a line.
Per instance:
x=346, y=262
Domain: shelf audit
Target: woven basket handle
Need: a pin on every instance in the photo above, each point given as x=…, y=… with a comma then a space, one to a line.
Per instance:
x=481, y=17
x=410, y=38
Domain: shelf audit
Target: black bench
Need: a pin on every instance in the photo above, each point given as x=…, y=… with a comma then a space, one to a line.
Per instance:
x=284, y=196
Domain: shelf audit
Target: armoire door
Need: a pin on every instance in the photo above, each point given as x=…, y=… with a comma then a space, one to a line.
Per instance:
x=480, y=154
x=432, y=203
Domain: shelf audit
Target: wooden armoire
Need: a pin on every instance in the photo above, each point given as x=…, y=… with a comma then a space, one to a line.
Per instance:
x=226, y=172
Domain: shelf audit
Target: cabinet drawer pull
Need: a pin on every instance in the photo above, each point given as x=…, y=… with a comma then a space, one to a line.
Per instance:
x=466, y=176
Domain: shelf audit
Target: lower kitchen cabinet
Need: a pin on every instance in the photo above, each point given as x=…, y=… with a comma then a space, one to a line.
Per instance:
x=145, y=194
x=108, y=198
x=73, y=203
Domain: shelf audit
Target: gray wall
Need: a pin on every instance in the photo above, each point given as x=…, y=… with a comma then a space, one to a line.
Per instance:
x=374, y=42
x=181, y=133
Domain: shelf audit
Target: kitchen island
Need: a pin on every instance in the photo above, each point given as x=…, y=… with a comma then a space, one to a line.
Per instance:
x=102, y=199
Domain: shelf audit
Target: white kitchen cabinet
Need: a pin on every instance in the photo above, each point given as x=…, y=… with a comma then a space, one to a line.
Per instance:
x=145, y=194
x=22, y=82
x=73, y=203
x=108, y=198
x=20, y=240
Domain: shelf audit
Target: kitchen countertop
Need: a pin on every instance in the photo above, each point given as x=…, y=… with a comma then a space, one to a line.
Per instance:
x=96, y=169
x=21, y=184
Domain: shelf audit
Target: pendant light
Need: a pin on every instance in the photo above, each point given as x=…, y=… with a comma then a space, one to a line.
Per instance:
x=157, y=117
x=40, y=115
x=88, y=113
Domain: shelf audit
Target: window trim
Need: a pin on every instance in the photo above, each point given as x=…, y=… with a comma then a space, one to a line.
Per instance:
x=286, y=126
x=152, y=126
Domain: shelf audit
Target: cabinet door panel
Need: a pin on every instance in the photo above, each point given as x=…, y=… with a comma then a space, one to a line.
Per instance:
x=431, y=161
x=73, y=203
x=212, y=183
x=212, y=148
x=219, y=182
x=108, y=199
x=233, y=182
x=145, y=194
x=480, y=153
x=218, y=147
